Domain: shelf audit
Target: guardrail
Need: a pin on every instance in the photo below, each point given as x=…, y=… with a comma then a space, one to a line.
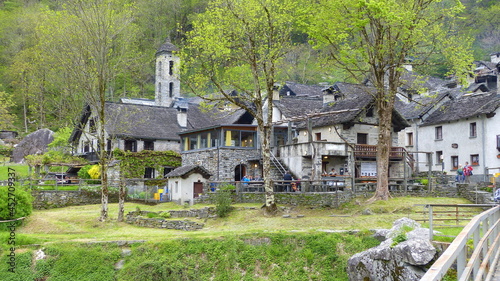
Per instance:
x=484, y=232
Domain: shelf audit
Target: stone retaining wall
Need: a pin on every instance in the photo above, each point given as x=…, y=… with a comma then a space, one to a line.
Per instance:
x=136, y=218
x=336, y=199
x=48, y=199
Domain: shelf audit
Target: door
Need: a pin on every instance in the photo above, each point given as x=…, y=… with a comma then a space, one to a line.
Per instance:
x=197, y=189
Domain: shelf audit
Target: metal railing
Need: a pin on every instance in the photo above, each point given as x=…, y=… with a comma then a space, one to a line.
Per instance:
x=484, y=233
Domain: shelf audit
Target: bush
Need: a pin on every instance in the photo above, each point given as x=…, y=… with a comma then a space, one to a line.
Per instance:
x=223, y=200
x=17, y=202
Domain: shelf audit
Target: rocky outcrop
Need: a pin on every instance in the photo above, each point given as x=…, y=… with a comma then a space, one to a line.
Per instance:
x=404, y=254
x=34, y=143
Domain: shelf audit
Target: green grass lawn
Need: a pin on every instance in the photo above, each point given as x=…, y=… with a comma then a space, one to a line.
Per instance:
x=312, y=247
x=20, y=170
x=79, y=223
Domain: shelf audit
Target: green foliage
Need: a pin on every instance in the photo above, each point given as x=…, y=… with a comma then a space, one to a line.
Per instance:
x=133, y=164
x=16, y=203
x=295, y=256
x=401, y=235
x=83, y=173
x=61, y=138
x=165, y=215
x=6, y=117
x=6, y=151
x=223, y=200
x=424, y=181
x=66, y=262
x=152, y=215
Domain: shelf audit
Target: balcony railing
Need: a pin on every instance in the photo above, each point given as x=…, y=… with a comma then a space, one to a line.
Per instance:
x=370, y=151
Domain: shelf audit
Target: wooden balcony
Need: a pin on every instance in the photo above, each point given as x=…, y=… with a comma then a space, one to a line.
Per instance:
x=370, y=151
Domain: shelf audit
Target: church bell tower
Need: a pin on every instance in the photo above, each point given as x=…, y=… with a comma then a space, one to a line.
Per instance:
x=167, y=82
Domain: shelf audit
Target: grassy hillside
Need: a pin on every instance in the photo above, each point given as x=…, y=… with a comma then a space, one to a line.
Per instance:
x=244, y=246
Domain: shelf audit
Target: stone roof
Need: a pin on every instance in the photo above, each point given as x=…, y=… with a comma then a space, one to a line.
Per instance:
x=467, y=106
x=296, y=89
x=167, y=47
x=413, y=81
x=420, y=105
x=140, y=121
x=294, y=106
x=186, y=171
x=356, y=99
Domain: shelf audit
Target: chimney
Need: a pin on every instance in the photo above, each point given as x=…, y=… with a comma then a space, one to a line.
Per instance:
x=276, y=91
x=330, y=94
x=182, y=117
x=495, y=57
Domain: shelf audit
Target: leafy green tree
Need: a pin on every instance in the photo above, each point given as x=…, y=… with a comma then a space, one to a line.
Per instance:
x=238, y=45
x=374, y=39
x=17, y=203
x=93, y=42
x=6, y=118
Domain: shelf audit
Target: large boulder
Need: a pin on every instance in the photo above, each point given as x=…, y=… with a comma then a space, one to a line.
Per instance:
x=34, y=143
x=391, y=261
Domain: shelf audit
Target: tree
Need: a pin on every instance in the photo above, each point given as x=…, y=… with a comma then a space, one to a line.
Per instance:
x=6, y=119
x=374, y=39
x=238, y=45
x=92, y=41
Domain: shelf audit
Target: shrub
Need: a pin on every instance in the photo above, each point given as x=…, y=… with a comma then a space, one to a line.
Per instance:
x=223, y=200
x=165, y=215
x=17, y=202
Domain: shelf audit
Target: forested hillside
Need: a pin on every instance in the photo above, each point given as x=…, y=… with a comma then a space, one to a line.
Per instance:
x=42, y=86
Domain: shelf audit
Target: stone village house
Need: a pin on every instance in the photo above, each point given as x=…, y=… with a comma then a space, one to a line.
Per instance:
x=317, y=128
x=456, y=125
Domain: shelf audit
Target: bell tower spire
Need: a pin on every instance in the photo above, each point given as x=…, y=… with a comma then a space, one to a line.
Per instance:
x=167, y=82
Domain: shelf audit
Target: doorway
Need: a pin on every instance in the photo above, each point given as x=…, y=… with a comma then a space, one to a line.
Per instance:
x=197, y=189
x=239, y=172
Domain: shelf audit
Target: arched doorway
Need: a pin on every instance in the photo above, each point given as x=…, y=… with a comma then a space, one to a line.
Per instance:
x=239, y=172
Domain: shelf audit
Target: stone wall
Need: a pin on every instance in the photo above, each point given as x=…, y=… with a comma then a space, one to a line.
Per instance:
x=221, y=162
x=336, y=199
x=48, y=199
x=136, y=218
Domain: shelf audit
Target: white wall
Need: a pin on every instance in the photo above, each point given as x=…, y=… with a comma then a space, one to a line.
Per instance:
x=457, y=132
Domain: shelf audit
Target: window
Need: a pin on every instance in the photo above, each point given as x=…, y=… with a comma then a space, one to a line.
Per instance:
x=193, y=142
x=86, y=146
x=473, y=130
x=369, y=112
x=409, y=139
x=92, y=128
x=167, y=170
x=171, y=67
x=318, y=136
x=159, y=88
x=362, y=138
x=474, y=159
x=439, y=133
x=498, y=143
x=170, y=89
x=454, y=162
x=247, y=139
x=159, y=68
x=108, y=145
x=131, y=145
x=439, y=157
x=149, y=173
x=149, y=145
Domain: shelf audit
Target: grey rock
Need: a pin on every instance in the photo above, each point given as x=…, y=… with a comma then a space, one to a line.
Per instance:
x=34, y=143
x=405, y=261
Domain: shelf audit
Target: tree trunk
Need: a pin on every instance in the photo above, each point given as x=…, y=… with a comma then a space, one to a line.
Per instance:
x=121, y=199
x=383, y=148
x=270, y=207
